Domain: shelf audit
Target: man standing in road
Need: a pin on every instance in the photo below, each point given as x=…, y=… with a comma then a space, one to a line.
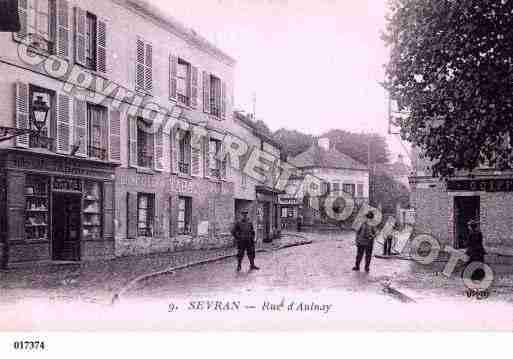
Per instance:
x=365, y=243
x=244, y=235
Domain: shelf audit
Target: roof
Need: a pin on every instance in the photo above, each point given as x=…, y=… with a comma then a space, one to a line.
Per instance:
x=250, y=123
x=317, y=156
x=175, y=26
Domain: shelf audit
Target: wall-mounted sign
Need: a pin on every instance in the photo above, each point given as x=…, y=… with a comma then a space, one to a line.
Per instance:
x=481, y=185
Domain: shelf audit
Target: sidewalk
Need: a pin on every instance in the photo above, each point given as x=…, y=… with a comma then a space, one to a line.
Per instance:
x=96, y=282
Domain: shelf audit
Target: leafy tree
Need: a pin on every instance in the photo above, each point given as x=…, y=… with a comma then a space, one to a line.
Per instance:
x=293, y=141
x=388, y=192
x=451, y=69
x=356, y=145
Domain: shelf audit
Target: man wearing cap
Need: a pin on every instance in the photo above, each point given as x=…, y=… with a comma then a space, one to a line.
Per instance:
x=365, y=243
x=475, y=249
x=244, y=235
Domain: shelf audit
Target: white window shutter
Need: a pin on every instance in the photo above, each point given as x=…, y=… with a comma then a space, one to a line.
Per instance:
x=101, y=46
x=223, y=99
x=80, y=38
x=194, y=87
x=105, y=124
x=80, y=127
x=115, y=136
x=63, y=123
x=206, y=154
x=132, y=141
x=22, y=113
x=173, y=144
x=159, y=149
x=140, y=66
x=206, y=92
x=148, y=72
x=23, y=16
x=173, y=69
x=63, y=29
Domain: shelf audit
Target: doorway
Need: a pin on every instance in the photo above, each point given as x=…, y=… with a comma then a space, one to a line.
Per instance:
x=465, y=209
x=267, y=222
x=66, y=224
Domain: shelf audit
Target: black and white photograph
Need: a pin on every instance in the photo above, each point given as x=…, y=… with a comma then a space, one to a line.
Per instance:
x=255, y=166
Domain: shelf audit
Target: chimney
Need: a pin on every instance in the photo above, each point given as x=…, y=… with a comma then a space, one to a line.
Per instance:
x=324, y=143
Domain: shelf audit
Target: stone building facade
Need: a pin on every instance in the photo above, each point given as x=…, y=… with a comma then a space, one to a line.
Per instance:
x=130, y=191
x=443, y=208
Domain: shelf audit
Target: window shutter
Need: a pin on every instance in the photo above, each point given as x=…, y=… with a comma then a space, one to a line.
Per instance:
x=223, y=163
x=173, y=69
x=22, y=113
x=206, y=92
x=80, y=38
x=101, y=46
x=131, y=217
x=115, y=136
x=223, y=100
x=132, y=140
x=206, y=152
x=159, y=149
x=194, y=87
x=80, y=127
x=173, y=142
x=63, y=29
x=148, y=73
x=63, y=123
x=195, y=161
x=105, y=121
x=140, y=67
x=23, y=15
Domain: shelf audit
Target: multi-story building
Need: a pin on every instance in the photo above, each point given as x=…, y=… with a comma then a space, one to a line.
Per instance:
x=96, y=183
x=260, y=198
x=338, y=171
x=443, y=208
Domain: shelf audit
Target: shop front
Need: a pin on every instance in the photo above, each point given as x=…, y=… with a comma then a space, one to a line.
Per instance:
x=55, y=208
x=268, y=214
x=444, y=208
x=290, y=210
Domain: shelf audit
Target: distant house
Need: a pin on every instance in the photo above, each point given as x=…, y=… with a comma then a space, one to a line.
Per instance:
x=399, y=171
x=341, y=172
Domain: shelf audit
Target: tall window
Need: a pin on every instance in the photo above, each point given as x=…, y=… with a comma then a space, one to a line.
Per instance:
x=144, y=145
x=97, y=125
x=349, y=188
x=40, y=13
x=183, y=82
x=91, y=41
x=47, y=132
x=335, y=189
x=359, y=190
x=184, y=215
x=215, y=96
x=184, y=153
x=145, y=214
x=213, y=162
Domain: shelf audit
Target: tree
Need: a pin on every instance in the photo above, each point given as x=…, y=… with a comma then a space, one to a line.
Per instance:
x=388, y=192
x=356, y=145
x=294, y=142
x=451, y=69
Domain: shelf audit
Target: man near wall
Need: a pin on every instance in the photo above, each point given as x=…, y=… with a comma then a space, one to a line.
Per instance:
x=244, y=235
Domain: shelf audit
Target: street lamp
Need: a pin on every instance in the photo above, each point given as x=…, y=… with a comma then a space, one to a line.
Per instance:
x=39, y=113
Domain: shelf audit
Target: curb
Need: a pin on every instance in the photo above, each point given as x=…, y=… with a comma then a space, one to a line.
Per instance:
x=396, y=294
x=116, y=296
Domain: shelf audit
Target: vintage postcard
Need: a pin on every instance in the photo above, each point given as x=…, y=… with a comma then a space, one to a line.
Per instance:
x=255, y=165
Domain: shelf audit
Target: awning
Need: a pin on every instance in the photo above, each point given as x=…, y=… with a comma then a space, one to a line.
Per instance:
x=268, y=190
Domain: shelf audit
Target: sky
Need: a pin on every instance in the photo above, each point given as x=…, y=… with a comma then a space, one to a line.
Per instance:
x=313, y=65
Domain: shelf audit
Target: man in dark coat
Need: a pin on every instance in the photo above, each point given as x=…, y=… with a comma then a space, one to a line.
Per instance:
x=475, y=249
x=365, y=243
x=244, y=235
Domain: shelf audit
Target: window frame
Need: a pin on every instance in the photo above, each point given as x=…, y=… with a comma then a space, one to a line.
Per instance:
x=360, y=190
x=186, y=229
x=35, y=36
x=93, y=150
x=91, y=41
x=50, y=130
x=352, y=187
x=148, y=144
x=184, y=99
x=184, y=154
x=149, y=213
x=215, y=96
x=214, y=165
